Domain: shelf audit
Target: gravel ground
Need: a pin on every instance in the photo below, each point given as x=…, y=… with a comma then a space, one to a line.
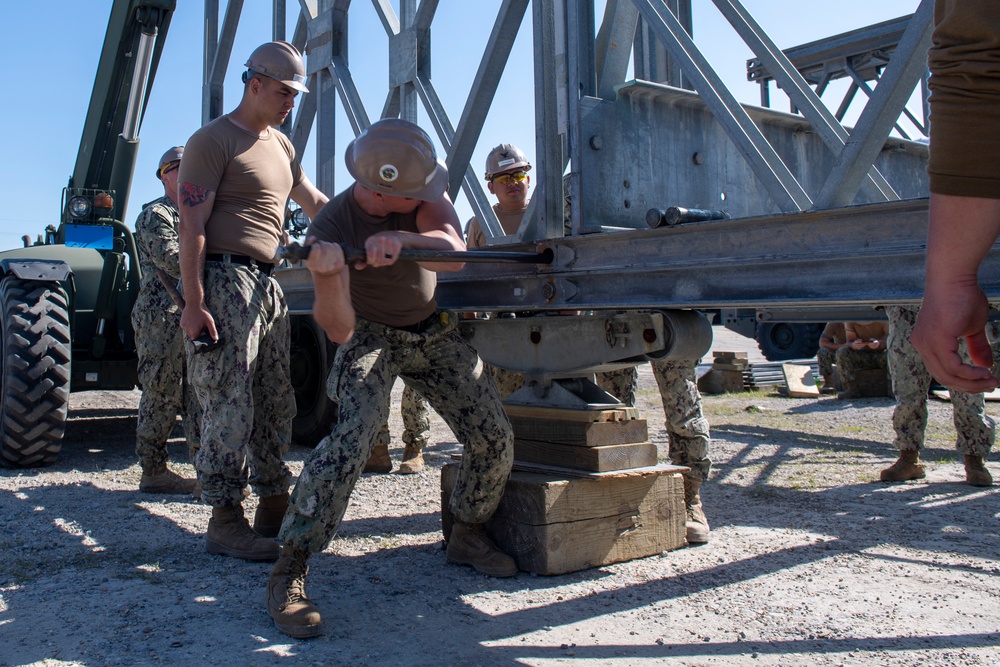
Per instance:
x=811, y=562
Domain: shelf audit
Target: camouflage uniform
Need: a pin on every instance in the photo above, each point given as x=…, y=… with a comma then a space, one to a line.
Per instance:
x=620, y=383
x=244, y=386
x=416, y=421
x=850, y=361
x=449, y=374
x=160, y=341
x=507, y=381
x=687, y=428
x=825, y=358
x=910, y=383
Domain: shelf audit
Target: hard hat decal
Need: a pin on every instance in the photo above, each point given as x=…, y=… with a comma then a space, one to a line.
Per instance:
x=388, y=173
x=504, y=163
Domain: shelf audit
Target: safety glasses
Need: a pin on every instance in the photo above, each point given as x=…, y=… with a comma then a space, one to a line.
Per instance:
x=169, y=167
x=504, y=179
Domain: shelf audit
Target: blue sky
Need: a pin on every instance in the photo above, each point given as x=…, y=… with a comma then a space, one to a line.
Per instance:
x=45, y=102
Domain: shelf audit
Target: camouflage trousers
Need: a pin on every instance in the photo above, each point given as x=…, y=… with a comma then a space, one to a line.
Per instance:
x=416, y=421
x=507, y=381
x=620, y=383
x=165, y=391
x=910, y=383
x=850, y=361
x=244, y=387
x=825, y=359
x=446, y=371
x=687, y=429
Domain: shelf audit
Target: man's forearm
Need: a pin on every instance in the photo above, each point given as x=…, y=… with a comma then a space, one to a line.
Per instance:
x=332, y=307
x=192, y=266
x=960, y=234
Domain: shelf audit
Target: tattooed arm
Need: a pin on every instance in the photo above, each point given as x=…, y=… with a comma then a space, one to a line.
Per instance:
x=195, y=207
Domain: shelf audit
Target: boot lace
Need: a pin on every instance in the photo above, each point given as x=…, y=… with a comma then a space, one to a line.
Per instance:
x=297, y=570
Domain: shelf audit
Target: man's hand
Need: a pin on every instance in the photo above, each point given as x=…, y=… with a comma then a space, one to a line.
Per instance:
x=382, y=249
x=325, y=259
x=950, y=312
x=196, y=320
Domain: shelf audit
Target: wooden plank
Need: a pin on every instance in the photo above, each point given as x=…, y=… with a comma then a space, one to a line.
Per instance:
x=729, y=355
x=579, y=432
x=601, y=458
x=800, y=381
x=730, y=367
x=572, y=473
x=552, y=525
x=622, y=413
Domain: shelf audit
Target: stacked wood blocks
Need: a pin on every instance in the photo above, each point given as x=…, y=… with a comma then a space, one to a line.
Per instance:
x=727, y=375
x=592, y=440
x=586, y=491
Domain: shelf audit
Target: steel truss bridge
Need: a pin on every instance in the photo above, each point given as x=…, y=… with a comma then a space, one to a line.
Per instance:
x=822, y=219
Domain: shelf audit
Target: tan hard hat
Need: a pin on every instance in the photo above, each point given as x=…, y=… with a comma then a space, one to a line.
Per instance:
x=504, y=158
x=280, y=61
x=172, y=155
x=396, y=157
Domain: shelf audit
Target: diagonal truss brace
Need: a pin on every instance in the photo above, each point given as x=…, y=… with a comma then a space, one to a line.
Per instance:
x=827, y=127
x=772, y=172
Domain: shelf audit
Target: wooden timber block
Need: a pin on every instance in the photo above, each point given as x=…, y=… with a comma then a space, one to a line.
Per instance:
x=873, y=383
x=729, y=356
x=722, y=366
x=594, y=458
x=554, y=525
x=574, y=432
x=616, y=414
x=800, y=381
x=719, y=382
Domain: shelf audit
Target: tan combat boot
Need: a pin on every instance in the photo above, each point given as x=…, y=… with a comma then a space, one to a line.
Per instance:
x=270, y=512
x=976, y=473
x=907, y=467
x=229, y=534
x=469, y=545
x=379, y=461
x=293, y=613
x=161, y=480
x=413, y=460
x=696, y=523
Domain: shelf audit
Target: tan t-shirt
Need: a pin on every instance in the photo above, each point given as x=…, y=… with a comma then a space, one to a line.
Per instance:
x=398, y=295
x=509, y=222
x=251, y=178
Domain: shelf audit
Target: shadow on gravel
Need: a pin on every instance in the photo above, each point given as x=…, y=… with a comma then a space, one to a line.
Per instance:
x=158, y=598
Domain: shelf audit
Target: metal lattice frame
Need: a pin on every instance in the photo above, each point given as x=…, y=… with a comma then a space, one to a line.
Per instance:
x=586, y=117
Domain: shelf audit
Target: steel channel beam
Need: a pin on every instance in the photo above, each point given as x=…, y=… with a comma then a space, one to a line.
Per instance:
x=550, y=86
x=863, y=255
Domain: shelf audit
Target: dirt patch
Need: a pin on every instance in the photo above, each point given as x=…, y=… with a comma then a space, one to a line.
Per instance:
x=811, y=562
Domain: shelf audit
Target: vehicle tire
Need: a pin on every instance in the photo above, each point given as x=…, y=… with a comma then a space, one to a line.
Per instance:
x=310, y=360
x=779, y=341
x=35, y=376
